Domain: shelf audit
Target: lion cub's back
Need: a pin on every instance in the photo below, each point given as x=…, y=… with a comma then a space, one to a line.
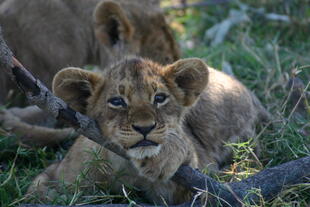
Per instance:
x=226, y=112
x=44, y=35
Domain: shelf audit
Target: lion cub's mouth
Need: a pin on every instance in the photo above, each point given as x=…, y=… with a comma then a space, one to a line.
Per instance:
x=144, y=143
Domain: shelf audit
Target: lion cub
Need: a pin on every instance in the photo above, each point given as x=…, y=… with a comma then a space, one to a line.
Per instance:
x=163, y=116
x=47, y=35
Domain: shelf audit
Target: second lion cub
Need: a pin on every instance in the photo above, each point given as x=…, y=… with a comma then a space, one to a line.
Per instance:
x=163, y=116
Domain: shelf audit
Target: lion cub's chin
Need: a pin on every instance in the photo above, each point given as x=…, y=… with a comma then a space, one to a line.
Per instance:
x=144, y=152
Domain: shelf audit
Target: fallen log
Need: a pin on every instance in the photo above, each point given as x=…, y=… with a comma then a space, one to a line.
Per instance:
x=268, y=182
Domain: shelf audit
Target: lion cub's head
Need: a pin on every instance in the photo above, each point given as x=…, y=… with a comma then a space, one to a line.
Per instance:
x=136, y=102
x=135, y=27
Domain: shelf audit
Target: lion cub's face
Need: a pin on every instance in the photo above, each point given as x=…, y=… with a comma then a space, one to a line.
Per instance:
x=134, y=27
x=137, y=103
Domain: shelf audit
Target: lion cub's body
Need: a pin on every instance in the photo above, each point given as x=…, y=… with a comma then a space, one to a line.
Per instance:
x=186, y=112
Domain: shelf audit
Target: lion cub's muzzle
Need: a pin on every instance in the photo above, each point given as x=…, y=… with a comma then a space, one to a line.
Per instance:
x=144, y=130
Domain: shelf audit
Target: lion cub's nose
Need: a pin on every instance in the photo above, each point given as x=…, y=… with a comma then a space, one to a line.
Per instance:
x=144, y=130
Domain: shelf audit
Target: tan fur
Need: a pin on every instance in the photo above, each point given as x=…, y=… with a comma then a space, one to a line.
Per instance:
x=204, y=110
x=47, y=35
x=33, y=135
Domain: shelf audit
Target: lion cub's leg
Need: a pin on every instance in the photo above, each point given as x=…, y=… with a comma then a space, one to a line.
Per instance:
x=84, y=165
x=15, y=121
x=31, y=115
x=39, y=187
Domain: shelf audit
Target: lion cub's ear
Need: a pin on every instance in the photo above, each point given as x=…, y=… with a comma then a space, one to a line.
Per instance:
x=186, y=79
x=112, y=24
x=75, y=86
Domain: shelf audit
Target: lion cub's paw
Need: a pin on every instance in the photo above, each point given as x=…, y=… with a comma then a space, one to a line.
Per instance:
x=155, y=169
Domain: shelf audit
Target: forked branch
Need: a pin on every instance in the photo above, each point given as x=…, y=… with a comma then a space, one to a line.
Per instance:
x=269, y=182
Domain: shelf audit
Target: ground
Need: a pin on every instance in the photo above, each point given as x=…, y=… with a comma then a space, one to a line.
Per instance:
x=262, y=53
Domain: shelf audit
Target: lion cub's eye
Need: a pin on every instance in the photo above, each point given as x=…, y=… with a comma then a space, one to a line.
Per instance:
x=160, y=98
x=117, y=101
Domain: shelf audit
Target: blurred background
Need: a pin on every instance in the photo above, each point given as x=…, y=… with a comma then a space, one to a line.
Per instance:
x=266, y=45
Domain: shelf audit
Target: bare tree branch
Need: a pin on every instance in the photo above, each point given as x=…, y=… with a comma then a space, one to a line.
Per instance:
x=5, y=54
x=269, y=182
x=265, y=184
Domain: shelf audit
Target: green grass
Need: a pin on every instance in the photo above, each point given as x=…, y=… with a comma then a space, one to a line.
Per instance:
x=262, y=54
x=17, y=166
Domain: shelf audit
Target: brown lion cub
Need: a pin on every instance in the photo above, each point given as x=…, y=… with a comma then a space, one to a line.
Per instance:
x=47, y=35
x=163, y=116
